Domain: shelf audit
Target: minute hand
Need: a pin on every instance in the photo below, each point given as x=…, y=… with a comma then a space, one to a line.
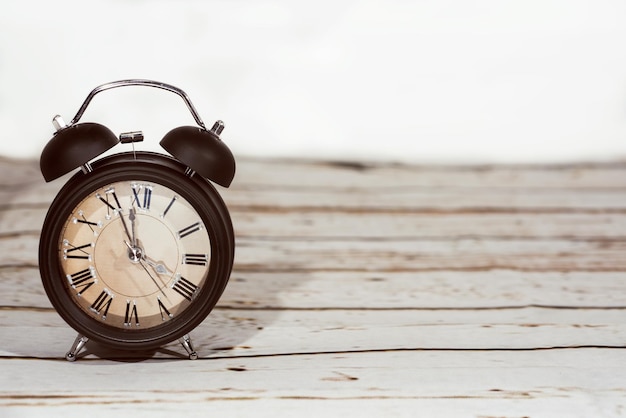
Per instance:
x=126, y=227
x=132, y=217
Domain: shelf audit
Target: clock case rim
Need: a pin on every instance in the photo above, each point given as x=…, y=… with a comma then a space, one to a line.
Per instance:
x=199, y=192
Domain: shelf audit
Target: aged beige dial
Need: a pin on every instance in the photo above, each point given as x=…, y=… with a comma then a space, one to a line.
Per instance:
x=135, y=254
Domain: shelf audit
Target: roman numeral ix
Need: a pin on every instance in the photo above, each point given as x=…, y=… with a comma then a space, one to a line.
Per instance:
x=76, y=252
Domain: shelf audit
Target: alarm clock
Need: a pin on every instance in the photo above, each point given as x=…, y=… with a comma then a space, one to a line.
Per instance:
x=137, y=247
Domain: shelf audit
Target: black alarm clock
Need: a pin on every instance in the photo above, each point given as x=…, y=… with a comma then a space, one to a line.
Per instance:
x=137, y=247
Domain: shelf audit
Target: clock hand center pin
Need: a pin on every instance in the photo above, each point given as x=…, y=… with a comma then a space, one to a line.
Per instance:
x=134, y=253
x=136, y=256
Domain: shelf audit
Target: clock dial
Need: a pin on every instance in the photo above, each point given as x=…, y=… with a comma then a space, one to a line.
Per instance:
x=135, y=254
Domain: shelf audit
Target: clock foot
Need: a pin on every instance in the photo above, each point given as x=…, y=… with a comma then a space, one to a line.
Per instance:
x=186, y=343
x=78, y=345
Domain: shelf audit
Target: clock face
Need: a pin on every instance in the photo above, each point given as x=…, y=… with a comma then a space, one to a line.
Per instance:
x=134, y=254
x=137, y=252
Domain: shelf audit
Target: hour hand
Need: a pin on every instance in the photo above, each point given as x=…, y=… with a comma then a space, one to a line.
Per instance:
x=158, y=266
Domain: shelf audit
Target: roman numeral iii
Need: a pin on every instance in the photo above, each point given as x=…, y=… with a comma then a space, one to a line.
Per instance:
x=196, y=259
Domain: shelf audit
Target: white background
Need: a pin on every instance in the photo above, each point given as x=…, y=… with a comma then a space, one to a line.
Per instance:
x=418, y=81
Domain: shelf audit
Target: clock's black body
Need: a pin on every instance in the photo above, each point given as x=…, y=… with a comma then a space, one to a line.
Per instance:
x=198, y=155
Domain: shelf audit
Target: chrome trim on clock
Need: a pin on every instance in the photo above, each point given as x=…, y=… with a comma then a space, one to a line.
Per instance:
x=139, y=82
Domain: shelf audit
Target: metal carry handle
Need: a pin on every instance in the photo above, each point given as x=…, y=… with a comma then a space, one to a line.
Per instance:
x=138, y=82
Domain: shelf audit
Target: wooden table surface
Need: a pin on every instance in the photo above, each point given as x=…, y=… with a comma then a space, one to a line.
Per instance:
x=358, y=290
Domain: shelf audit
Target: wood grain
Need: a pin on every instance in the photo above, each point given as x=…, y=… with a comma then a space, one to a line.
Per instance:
x=359, y=288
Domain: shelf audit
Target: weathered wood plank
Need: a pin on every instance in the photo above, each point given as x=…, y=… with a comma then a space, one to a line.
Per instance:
x=17, y=172
x=425, y=290
x=368, y=384
x=413, y=255
x=382, y=290
x=302, y=173
x=466, y=255
x=387, y=226
x=228, y=333
x=429, y=201
x=360, y=200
